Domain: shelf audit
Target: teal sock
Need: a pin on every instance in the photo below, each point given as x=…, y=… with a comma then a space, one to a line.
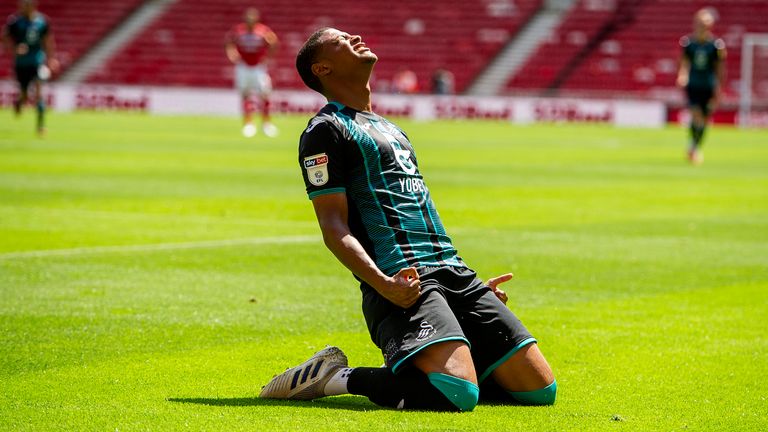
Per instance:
x=544, y=396
x=699, y=134
x=462, y=393
x=693, y=131
x=40, y=114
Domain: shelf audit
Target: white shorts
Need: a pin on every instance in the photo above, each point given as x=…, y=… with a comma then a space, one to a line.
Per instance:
x=252, y=79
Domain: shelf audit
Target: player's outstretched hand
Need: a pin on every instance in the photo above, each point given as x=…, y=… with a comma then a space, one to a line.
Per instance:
x=404, y=288
x=494, y=283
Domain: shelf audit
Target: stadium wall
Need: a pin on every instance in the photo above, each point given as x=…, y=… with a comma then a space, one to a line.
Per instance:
x=197, y=101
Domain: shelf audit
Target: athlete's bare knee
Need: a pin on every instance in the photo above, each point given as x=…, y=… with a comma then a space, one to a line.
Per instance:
x=450, y=358
x=450, y=369
x=526, y=370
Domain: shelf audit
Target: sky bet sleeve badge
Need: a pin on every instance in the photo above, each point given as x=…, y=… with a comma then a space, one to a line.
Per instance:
x=317, y=169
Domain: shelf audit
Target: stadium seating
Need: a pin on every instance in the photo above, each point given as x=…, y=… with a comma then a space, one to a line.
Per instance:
x=641, y=55
x=185, y=45
x=582, y=23
x=77, y=25
x=646, y=52
x=601, y=46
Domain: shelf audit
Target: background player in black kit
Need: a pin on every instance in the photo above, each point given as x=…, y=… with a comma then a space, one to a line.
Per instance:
x=447, y=338
x=702, y=70
x=28, y=36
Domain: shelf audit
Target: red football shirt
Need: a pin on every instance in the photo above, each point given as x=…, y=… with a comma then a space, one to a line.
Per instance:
x=251, y=45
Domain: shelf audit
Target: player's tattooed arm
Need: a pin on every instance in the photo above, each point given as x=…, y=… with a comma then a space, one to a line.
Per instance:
x=402, y=289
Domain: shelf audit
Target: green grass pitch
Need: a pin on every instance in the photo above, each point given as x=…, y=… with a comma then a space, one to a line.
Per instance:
x=156, y=272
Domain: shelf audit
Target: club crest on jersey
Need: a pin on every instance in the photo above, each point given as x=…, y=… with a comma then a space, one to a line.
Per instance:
x=317, y=169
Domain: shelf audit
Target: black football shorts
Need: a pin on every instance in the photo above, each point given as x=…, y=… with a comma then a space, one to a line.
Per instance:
x=700, y=97
x=454, y=305
x=25, y=74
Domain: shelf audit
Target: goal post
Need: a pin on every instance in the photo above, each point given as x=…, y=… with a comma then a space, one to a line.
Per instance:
x=754, y=78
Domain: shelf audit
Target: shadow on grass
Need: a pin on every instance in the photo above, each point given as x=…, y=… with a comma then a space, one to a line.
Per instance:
x=352, y=403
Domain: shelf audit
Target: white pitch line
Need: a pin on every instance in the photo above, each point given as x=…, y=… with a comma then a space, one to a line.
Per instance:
x=157, y=247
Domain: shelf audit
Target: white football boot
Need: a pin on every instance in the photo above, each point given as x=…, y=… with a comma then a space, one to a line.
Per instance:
x=270, y=129
x=306, y=381
x=249, y=130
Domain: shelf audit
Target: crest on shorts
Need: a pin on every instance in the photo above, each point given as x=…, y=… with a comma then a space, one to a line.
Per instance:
x=317, y=169
x=426, y=331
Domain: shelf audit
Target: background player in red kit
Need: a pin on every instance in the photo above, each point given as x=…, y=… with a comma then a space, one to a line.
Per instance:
x=249, y=47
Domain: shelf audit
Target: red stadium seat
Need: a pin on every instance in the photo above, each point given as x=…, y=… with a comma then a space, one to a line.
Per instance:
x=457, y=35
x=642, y=54
x=573, y=34
x=77, y=25
x=635, y=52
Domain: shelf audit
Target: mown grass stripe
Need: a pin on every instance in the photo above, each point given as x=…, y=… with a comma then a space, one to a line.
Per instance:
x=209, y=244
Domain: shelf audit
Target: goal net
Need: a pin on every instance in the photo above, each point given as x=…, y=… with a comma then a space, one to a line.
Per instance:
x=753, y=93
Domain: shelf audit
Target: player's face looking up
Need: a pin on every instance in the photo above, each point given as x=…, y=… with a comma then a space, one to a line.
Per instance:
x=341, y=51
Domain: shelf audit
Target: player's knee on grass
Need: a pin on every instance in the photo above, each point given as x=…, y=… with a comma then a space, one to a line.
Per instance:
x=412, y=389
x=462, y=393
x=544, y=396
x=449, y=368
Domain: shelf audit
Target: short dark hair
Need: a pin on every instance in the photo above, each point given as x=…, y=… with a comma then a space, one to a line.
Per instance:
x=306, y=58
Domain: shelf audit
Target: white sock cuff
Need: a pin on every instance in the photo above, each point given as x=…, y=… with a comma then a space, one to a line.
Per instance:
x=337, y=385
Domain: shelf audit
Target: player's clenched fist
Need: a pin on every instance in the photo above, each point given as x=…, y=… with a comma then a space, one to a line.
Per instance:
x=403, y=289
